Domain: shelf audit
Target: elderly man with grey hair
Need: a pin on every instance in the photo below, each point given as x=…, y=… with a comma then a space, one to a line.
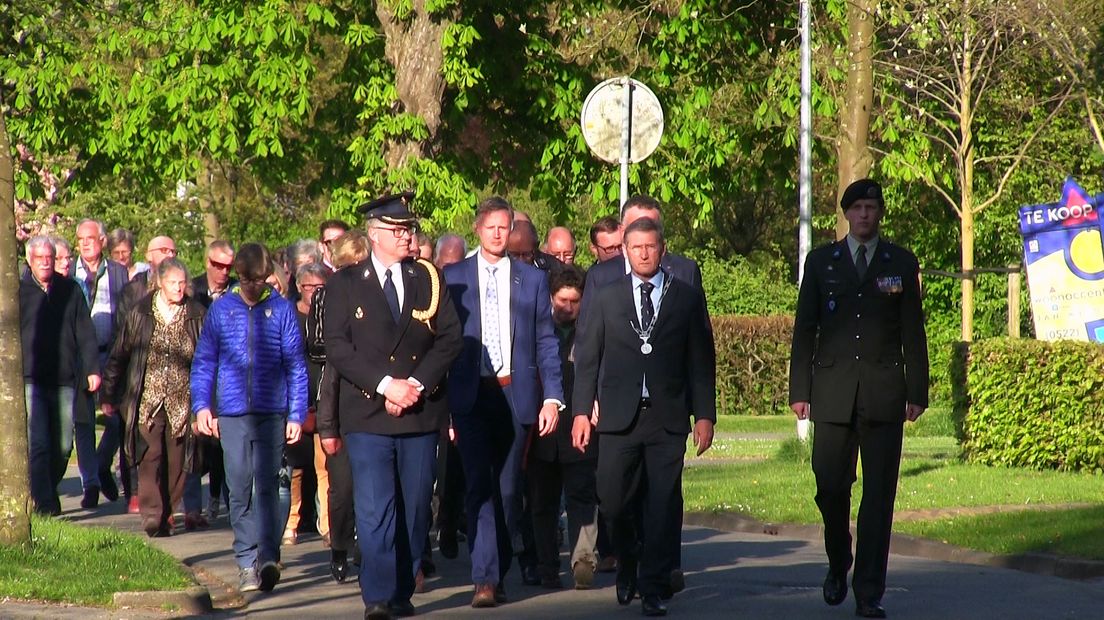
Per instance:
x=59, y=348
x=102, y=282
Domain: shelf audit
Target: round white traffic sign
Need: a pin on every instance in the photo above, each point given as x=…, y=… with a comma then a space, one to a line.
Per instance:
x=604, y=113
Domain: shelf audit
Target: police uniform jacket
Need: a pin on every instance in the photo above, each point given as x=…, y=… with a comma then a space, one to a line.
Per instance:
x=859, y=342
x=364, y=344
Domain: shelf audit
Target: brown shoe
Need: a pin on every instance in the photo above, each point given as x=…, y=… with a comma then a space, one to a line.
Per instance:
x=419, y=582
x=484, y=596
x=607, y=564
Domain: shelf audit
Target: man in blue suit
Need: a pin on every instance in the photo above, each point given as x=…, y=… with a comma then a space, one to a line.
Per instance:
x=506, y=379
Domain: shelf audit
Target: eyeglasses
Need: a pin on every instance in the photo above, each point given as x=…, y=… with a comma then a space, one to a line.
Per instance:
x=609, y=249
x=310, y=286
x=400, y=231
x=218, y=265
x=168, y=251
x=565, y=256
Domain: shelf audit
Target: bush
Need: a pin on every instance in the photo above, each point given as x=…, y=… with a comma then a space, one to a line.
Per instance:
x=753, y=357
x=1035, y=404
x=744, y=286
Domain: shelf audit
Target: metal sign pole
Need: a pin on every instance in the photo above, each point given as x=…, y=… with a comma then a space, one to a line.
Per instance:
x=805, y=176
x=626, y=140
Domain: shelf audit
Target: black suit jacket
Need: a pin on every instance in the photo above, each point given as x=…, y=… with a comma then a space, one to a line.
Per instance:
x=859, y=341
x=201, y=289
x=557, y=446
x=363, y=344
x=681, y=369
x=605, y=272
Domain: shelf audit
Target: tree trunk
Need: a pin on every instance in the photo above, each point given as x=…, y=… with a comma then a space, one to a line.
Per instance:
x=854, y=158
x=15, y=495
x=414, y=49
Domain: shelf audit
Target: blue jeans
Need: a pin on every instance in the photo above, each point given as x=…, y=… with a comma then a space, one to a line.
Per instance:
x=49, y=440
x=392, y=488
x=84, y=425
x=252, y=447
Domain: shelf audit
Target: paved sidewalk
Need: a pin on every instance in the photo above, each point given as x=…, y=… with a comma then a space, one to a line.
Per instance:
x=729, y=575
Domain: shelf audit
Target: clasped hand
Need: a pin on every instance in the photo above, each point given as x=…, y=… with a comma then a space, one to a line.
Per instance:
x=400, y=395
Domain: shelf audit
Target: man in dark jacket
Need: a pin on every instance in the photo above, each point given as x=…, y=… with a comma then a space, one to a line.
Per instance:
x=391, y=333
x=555, y=467
x=250, y=341
x=59, y=346
x=859, y=369
x=215, y=282
x=102, y=281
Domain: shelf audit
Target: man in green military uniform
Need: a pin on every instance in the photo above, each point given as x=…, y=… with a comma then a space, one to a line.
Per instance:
x=859, y=369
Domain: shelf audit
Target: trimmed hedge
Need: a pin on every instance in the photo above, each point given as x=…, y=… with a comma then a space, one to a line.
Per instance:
x=753, y=360
x=1028, y=403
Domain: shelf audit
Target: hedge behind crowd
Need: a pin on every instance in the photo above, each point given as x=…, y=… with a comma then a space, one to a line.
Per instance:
x=1028, y=403
x=753, y=357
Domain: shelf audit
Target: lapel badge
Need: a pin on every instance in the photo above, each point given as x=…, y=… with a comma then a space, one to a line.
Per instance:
x=836, y=254
x=359, y=314
x=268, y=313
x=367, y=272
x=831, y=305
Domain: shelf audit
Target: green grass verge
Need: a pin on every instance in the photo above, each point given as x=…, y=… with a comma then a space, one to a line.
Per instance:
x=85, y=565
x=1065, y=532
x=781, y=488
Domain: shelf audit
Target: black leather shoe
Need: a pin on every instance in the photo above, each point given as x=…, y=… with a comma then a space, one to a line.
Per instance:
x=530, y=576
x=651, y=605
x=870, y=608
x=835, y=588
x=107, y=485
x=379, y=611
x=678, y=581
x=447, y=544
x=339, y=570
x=91, y=497
x=404, y=609
x=626, y=581
x=500, y=594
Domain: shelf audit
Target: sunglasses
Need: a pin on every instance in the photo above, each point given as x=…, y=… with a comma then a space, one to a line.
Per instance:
x=218, y=265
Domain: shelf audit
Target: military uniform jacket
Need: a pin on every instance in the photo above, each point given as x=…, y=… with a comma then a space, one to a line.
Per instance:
x=859, y=342
x=364, y=344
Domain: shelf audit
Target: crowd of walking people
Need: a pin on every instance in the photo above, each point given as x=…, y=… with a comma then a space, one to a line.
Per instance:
x=388, y=392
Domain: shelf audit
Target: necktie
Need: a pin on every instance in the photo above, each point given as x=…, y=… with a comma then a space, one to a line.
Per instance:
x=647, y=310
x=860, y=262
x=392, y=295
x=491, y=338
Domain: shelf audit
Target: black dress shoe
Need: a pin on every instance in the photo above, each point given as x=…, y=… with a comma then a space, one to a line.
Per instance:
x=651, y=605
x=626, y=582
x=530, y=576
x=379, y=611
x=107, y=485
x=91, y=497
x=500, y=593
x=835, y=588
x=339, y=570
x=447, y=544
x=428, y=567
x=870, y=608
x=404, y=609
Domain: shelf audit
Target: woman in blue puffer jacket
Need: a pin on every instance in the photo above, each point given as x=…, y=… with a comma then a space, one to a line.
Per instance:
x=249, y=387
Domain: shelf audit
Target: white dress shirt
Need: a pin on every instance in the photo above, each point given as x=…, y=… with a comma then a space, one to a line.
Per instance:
x=502, y=279
x=656, y=296
x=853, y=246
x=400, y=290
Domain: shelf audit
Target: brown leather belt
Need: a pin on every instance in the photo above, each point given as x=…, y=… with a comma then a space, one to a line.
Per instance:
x=493, y=381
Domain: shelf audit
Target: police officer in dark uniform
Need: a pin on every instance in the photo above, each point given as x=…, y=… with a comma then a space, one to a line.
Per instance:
x=859, y=369
x=391, y=333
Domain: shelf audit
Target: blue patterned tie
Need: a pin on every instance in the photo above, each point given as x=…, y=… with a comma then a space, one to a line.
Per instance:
x=490, y=322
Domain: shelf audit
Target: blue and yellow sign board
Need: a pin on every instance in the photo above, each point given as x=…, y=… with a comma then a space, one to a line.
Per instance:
x=1065, y=265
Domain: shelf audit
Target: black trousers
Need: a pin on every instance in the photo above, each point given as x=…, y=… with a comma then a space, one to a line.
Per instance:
x=640, y=487
x=340, y=495
x=836, y=448
x=450, y=488
x=577, y=482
